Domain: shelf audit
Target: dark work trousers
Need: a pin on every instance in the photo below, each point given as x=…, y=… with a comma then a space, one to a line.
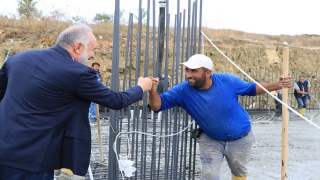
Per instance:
x=278, y=106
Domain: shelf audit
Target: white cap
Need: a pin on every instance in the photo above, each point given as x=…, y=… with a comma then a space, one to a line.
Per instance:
x=198, y=61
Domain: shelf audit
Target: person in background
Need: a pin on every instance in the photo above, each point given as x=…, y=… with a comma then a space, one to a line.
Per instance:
x=96, y=67
x=92, y=111
x=161, y=86
x=44, y=101
x=212, y=101
x=302, y=93
x=278, y=113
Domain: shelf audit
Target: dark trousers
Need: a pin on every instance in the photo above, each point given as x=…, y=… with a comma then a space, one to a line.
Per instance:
x=11, y=173
x=278, y=106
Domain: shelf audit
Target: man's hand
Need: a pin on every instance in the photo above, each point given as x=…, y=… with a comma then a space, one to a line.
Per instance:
x=154, y=98
x=308, y=96
x=145, y=83
x=286, y=82
x=155, y=82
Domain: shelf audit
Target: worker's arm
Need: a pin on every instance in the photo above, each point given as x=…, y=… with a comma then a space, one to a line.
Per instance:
x=154, y=98
x=284, y=82
x=301, y=92
x=309, y=90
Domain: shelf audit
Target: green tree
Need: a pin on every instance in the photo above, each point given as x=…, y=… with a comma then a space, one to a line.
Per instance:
x=121, y=13
x=143, y=15
x=80, y=19
x=27, y=8
x=102, y=18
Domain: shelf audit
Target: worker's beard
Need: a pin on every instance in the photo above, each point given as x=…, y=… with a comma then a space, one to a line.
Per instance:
x=199, y=82
x=83, y=58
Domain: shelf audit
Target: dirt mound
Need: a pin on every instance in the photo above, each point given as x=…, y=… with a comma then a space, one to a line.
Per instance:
x=257, y=53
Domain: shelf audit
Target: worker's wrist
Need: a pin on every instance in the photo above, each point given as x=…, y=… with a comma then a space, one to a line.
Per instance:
x=153, y=92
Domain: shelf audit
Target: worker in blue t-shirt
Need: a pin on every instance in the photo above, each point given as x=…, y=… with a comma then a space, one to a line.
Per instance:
x=212, y=101
x=92, y=111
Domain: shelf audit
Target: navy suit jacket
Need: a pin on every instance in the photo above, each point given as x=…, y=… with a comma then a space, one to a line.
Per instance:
x=44, y=103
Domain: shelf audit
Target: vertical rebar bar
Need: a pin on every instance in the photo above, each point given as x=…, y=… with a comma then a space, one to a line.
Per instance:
x=200, y=27
x=154, y=125
x=165, y=113
x=145, y=103
x=175, y=139
x=188, y=53
x=154, y=46
x=195, y=10
x=112, y=170
x=182, y=48
x=192, y=28
x=161, y=33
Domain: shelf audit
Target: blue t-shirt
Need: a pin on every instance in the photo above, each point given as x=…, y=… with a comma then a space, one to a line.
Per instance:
x=216, y=110
x=98, y=76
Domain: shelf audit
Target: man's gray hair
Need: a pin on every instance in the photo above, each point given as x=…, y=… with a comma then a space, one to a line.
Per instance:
x=74, y=34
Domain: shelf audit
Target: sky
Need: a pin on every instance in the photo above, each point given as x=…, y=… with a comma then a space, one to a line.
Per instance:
x=271, y=17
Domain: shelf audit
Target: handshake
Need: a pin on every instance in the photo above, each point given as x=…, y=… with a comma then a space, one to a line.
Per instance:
x=145, y=83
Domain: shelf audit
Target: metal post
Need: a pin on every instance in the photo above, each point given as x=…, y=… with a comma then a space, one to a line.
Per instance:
x=200, y=28
x=162, y=5
x=154, y=55
x=113, y=170
x=145, y=102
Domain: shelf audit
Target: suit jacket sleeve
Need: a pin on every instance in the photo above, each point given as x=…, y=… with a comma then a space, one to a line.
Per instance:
x=94, y=91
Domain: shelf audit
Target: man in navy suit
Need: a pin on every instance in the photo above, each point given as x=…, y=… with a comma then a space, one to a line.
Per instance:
x=44, y=102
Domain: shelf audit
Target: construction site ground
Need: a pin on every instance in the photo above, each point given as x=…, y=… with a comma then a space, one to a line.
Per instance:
x=266, y=160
